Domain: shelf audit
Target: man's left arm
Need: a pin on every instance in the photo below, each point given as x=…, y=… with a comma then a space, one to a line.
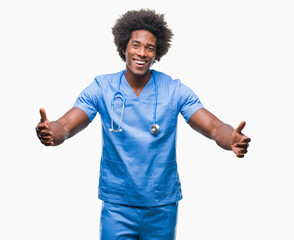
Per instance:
x=223, y=134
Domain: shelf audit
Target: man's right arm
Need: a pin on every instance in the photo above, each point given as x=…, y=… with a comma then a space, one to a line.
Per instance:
x=54, y=133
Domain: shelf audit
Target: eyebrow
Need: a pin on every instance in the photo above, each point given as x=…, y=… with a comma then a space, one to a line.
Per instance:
x=149, y=44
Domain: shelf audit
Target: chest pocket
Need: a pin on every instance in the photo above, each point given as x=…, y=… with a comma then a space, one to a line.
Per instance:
x=166, y=118
x=139, y=117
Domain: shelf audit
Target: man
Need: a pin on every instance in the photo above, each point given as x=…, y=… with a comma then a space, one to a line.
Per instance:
x=139, y=183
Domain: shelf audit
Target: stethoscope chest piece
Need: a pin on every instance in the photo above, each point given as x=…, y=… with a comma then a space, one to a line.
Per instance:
x=154, y=128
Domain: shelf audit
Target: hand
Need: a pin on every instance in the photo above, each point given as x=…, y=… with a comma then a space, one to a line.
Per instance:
x=240, y=141
x=43, y=130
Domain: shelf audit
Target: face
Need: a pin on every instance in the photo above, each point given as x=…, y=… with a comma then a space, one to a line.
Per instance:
x=140, y=52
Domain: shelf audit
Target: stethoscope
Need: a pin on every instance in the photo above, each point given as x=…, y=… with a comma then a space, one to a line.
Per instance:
x=154, y=128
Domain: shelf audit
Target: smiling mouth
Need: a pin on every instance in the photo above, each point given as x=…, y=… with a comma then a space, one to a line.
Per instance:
x=140, y=62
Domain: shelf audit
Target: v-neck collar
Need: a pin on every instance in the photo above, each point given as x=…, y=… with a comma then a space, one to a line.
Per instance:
x=147, y=90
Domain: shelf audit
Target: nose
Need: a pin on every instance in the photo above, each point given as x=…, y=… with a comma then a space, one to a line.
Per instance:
x=142, y=52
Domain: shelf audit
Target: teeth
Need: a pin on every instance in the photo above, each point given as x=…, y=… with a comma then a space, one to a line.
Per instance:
x=140, y=62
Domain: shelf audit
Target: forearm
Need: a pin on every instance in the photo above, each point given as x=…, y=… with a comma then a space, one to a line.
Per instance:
x=223, y=136
x=58, y=132
x=54, y=133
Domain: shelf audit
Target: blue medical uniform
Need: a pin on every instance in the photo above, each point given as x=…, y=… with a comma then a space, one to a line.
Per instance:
x=148, y=223
x=138, y=168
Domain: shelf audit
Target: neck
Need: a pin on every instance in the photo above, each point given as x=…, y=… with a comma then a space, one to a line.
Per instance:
x=137, y=82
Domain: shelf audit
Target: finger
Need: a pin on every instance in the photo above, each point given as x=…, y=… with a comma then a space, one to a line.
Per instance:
x=43, y=115
x=240, y=127
x=47, y=142
x=240, y=155
x=41, y=127
x=243, y=151
x=45, y=134
x=244, y=140
x=240, y=151
x=241, y=145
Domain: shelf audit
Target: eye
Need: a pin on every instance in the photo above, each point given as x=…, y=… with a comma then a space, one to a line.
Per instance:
x=151, y=49
x=135, y=45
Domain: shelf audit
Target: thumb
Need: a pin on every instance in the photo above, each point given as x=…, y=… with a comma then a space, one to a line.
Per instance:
x=43, y=115
x=240, y=127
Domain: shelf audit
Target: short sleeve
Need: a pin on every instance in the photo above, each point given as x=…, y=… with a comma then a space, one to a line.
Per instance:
x=189, y=102
x=88, y=100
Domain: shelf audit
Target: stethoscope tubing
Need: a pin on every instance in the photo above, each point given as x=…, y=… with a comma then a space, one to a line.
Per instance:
x=122, y=97
x=154, y=128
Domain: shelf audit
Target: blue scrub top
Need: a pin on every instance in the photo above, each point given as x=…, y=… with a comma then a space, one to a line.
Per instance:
x=138, y=168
